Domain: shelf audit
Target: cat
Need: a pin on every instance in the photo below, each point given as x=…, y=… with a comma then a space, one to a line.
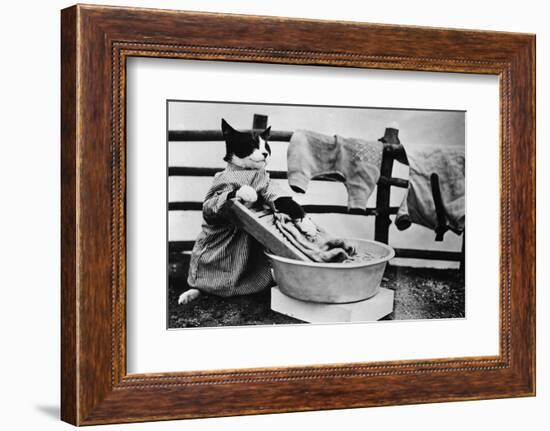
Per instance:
x=227, y=261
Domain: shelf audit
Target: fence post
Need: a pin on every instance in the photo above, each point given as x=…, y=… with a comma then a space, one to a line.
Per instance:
x=382, y=222
x=259, y=123
x=463, y=252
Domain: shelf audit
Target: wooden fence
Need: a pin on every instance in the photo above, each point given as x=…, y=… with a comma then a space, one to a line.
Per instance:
x=381, y=212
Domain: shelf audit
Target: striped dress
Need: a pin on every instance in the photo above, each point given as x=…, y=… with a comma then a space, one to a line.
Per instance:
x=227, y=261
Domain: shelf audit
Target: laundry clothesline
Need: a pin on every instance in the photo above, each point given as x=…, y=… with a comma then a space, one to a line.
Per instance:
x=435, y=195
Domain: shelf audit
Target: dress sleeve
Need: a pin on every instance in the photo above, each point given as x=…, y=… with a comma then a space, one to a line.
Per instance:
x=213, y=207
x=272, y=192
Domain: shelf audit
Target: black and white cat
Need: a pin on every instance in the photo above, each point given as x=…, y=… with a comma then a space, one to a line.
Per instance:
x=227, y=261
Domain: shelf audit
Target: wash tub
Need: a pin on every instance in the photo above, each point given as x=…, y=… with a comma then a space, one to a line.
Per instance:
x=333, y=283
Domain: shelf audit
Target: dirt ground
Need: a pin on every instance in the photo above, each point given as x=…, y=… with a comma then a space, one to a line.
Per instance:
x=420, y=293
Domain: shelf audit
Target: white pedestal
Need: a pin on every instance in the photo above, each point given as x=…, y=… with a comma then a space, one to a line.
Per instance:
x=369, y=310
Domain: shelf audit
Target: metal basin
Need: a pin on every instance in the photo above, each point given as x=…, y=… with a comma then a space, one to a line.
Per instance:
x=333, y=283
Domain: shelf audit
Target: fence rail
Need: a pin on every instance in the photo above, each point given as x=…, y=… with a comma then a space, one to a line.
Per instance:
x=311, y=209
x=406, y=253
x=216, y=135
x=185, y=171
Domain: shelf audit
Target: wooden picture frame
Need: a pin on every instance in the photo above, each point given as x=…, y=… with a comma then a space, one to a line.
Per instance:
x=95, y=43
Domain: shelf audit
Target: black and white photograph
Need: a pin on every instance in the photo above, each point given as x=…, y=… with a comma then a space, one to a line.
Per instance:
x=293, y=214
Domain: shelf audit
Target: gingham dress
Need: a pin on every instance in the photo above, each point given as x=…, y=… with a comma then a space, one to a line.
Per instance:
x=226, y=261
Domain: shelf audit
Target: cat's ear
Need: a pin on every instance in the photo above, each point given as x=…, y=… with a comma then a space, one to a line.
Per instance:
x=265, y=134
x=226, y=128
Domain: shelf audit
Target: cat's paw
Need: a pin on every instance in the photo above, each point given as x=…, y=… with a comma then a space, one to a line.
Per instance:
x=247, y=194
x=290, y=207
x=188, y=296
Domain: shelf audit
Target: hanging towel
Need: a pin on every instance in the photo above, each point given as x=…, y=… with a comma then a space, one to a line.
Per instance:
x=418, y=204
x=356, y=162
x=319, y=247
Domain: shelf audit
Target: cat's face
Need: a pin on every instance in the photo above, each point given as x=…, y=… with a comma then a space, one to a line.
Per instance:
x=246, y=150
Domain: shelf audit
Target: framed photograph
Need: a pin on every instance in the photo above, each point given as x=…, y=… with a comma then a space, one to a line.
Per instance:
x=264, y=214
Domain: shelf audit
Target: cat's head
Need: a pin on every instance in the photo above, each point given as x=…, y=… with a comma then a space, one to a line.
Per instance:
x=244, y=149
